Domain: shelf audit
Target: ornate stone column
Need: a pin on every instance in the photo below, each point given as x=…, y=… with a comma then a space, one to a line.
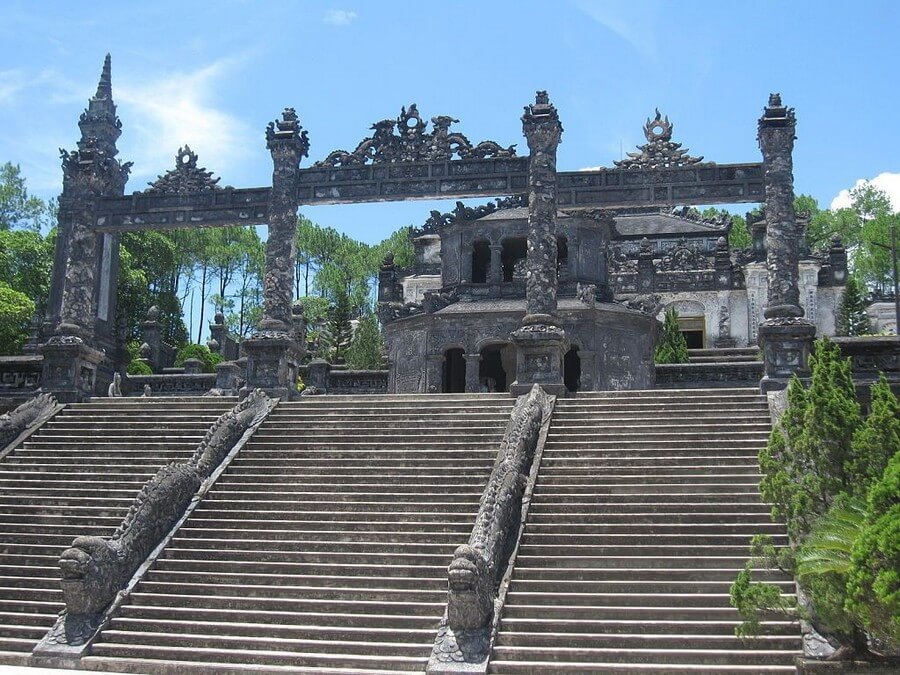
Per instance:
x=273, y=355
x=540, y=341
x=72, y=356
x=496, y=276
x=473, y=364
x=785, y=336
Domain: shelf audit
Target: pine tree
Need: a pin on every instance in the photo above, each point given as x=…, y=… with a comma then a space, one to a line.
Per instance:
x=336, y=334
x=876, y=440
x=673, y=347
x=365, y=352
x=852, y=317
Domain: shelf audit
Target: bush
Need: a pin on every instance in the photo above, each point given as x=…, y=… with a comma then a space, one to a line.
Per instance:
x=673, y=347
x=201, y=352
x=16, y=311
x=138, y=368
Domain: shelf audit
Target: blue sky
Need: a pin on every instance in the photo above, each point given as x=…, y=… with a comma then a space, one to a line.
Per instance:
x=213, y=74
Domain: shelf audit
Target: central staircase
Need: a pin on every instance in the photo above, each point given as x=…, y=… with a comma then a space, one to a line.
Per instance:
x=323, y=547
x=78, y=475
x=641, y=517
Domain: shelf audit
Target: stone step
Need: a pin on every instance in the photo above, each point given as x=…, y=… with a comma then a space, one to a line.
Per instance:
x=344, y=544
x=530, y=571
x=647, y=641
x=604, y=601
x=322, y=557
x=648, y=655
x=237, y=538
x=547, y=533
x=318, y=593
x=173, y=666
x=298, y=580
x=641, y=587
x=526, y=667
x=572, y=628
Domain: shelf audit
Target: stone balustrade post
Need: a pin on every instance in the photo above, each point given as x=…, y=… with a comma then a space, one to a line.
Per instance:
x=496, y=273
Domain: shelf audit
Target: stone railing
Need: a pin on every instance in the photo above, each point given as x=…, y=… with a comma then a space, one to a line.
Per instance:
x=20, y=375
x=474, y=576
x=870, y=354
x=95, y=569
x=171, y=384
x=357, y=382
x=708, y=375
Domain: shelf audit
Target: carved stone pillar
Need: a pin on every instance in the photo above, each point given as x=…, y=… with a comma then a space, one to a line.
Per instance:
x=785, y=336
x=540, y=341
x=473, y=364
x=496, y=275
x=646, y=270
x=72, y=358
x=273, y=355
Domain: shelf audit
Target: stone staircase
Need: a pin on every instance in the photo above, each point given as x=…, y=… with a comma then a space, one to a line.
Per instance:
x=324, y=546
x=77, y=475
x=725, y=355
x=641, y=517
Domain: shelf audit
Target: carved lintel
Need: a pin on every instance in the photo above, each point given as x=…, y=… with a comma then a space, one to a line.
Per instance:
x=660, y=152
x=186, y=178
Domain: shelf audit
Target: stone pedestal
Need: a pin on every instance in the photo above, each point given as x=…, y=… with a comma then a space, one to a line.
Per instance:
x=70, y=368
x=273, y=361
x=317, y=375
x=227, y=375
x=786, y=343
x=539, y=358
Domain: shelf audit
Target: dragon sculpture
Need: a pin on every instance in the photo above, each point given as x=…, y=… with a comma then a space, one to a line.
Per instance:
x=18, y=420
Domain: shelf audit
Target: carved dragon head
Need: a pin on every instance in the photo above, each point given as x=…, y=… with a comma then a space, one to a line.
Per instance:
x=88, y=584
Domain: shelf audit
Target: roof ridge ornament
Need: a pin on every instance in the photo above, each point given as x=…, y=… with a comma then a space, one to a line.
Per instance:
x=185, y=178
x=405, y=140
x=660, y=152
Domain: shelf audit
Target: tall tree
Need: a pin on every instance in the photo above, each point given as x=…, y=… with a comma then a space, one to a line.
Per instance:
x=852, y=318
x=18, y=209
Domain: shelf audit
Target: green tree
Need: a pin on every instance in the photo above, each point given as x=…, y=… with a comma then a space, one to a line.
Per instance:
x=26, y=262
x=739, y=235
x=852, y=318
x=336, y=334
x=672, y=348
x=876, y=440
x=16, y=311
x=18, y=209
x=367, y=346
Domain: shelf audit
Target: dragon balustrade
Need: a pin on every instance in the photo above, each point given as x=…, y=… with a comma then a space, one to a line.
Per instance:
x=21, y=418
x=477, y=569
x=94, y=569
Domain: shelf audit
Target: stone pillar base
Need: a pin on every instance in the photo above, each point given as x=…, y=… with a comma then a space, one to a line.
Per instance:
x=273, y=360
x=539, y=358
x=71, y=368
x=786, y=343
x=317, y=374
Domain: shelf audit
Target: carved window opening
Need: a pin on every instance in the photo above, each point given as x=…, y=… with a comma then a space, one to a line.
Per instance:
x=481, y=262
x=562, y=257
x=572, y=369
x=454, y=380
x=492, y=369
x=512, y=257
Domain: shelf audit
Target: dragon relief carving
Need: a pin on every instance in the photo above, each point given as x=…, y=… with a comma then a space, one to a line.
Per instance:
x=660, y=152
x=405, y=140
x=186, y=178
x=476, y=568
x=683, y=258
x=19, y=419
x=94, y=568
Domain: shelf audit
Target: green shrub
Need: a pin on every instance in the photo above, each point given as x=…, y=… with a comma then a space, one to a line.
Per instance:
x=672, y=348
x=200, y=352
x=367, y=346
x=139, y=368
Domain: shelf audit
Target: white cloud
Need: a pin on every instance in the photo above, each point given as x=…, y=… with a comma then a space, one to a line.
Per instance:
x=11, y=83
x=339, y=17
x=632, y=22
x=888, y=182
x=164, y=114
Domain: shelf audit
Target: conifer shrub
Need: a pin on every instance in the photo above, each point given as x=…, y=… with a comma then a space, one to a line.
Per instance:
x=366, y=348
x=852, y=318
x=201, y=352
x=672, y=348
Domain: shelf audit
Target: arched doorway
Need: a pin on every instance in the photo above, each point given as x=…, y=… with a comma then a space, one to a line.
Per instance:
x=572, y=369
x=492, y=370
x=512, y=257
x=481, y=261
x=454, y=381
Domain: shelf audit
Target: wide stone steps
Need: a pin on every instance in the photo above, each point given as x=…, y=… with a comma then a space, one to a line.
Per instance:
x=641, y=518
x=323, y=547
x=78, y=475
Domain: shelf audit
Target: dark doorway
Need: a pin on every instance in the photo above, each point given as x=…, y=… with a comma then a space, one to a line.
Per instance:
x=491, y=374
x=562, y=257
x=513, y=256
x=694, y=338
x=481, y=261
x=572, y=370
x=454, y=371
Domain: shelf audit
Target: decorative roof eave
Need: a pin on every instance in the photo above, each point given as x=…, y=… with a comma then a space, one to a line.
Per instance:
x=659, y=152
x=437, y=220
x=405, y=140
x=185, y=178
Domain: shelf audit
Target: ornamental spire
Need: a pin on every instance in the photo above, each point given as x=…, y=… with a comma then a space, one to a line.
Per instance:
x=104, y=87
x=99, y=119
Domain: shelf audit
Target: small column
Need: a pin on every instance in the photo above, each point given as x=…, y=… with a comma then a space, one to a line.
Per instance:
x=646, y=270
x=273, y=355
x=540, y=341
x=785, y=336
x=473, y=364
x=496, y=275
